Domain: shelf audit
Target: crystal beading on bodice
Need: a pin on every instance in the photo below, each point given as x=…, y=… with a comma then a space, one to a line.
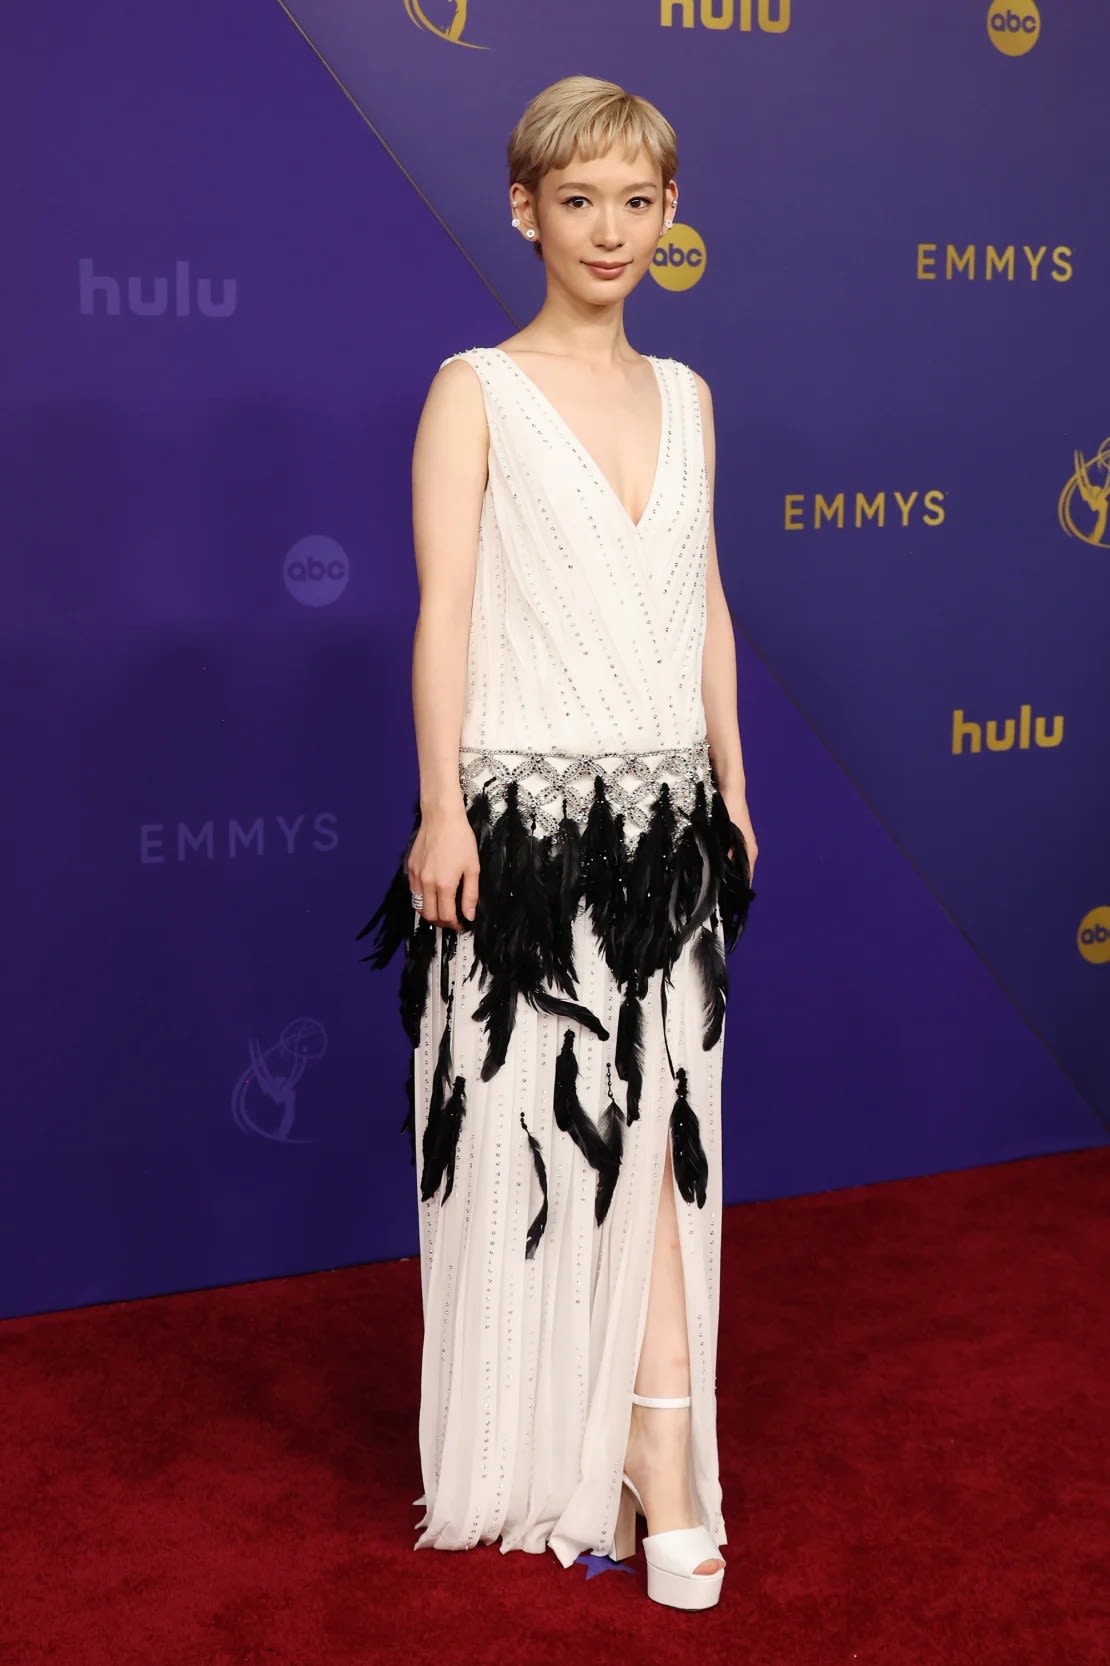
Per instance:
x=586, y=628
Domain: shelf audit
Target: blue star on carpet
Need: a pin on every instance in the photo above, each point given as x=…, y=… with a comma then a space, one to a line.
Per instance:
x=600, y=1564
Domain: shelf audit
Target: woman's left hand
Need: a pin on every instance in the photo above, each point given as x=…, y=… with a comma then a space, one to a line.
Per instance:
x=737, y=807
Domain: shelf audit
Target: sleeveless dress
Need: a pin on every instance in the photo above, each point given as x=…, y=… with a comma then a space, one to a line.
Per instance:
x=562, y=1037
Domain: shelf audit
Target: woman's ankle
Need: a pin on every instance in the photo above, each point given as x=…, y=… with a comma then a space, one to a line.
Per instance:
x=659, y=1433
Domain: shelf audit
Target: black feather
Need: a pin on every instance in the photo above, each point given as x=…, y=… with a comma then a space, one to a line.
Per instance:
x=409, y=1123
x=568, y=862
x=478, y=815
x=628, y=1056
x=438, y=1141
x=562, y=884
x=416, y=977
x=647, y=930
x=453, y=1113
x=663, y=985
x=393, y=917
x=544, y=1001
x=688, y=1159
x=602, y=859
x=712, y=969
x=536, y=1229
x=501, y=936
x=697, y=877
x=612, y=1132
x=535, y=908
x=570, y=1116
x=497, y=1011
x=448, y=940
x=735, y=894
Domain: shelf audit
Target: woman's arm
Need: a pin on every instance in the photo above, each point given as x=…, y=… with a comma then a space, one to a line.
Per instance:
x=718, y=678
x=448, y=481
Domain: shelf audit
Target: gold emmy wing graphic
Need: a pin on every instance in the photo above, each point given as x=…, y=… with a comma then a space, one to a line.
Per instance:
x=454, y=30
x=1095, y=494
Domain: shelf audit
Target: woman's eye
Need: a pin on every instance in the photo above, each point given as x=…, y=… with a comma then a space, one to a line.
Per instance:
x=569, y=202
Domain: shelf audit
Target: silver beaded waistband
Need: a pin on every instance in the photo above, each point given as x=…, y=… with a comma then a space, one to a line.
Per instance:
x=544, y=779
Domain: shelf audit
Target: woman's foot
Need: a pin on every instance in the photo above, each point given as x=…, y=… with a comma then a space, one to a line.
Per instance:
x=657, y=1460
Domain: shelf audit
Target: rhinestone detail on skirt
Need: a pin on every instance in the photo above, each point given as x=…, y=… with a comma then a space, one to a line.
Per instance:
x=632, y=780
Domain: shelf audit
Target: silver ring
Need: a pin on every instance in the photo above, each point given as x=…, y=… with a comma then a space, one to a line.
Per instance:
x=417, y=900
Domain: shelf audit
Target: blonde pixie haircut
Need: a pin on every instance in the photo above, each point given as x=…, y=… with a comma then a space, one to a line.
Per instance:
x=581, y=113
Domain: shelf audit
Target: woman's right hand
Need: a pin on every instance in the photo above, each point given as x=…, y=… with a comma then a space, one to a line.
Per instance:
x=444, y=854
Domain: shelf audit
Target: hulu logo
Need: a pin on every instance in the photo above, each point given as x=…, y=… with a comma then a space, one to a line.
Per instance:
x=152, y=297
x=771, y=17
x=1023, y=731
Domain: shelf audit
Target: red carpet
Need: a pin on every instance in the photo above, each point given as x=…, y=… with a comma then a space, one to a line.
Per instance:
x=914, y=1396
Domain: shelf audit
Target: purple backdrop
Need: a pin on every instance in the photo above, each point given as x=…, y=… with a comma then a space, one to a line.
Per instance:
x=227, y=287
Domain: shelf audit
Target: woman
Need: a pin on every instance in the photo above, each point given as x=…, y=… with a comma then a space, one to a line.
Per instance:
x=579, y=866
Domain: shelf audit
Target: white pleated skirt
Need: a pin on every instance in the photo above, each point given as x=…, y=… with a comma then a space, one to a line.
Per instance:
x=528, y=1365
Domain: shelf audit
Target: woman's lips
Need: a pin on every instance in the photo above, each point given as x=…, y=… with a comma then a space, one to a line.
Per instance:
x=604, y=271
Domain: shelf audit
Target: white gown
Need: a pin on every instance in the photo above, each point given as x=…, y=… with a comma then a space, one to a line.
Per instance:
x=590, y=989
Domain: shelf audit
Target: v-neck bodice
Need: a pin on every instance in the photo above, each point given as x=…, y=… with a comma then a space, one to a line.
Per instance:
x=586, y=628
x=584, y=452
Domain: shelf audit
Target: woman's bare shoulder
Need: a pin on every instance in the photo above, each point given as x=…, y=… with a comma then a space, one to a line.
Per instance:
x=687, y=369
x=455, y=400
x=458, y=378
x=700, y=386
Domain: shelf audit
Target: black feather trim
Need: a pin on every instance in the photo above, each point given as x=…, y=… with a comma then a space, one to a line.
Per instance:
x=536, y=1228
x=645, y=900
x=569, y=1115
x=712, y=969
x=688, y=1159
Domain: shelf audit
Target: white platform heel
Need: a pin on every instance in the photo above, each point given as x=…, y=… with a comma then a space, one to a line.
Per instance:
x=672, y=1556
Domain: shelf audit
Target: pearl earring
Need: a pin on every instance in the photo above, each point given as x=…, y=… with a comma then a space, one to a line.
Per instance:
x=529, y=232
x=516, y=220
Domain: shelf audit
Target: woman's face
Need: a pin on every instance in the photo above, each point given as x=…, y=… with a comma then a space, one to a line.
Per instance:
x=607, y=213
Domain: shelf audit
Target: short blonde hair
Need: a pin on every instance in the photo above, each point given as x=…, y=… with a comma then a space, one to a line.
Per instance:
x=584, y=115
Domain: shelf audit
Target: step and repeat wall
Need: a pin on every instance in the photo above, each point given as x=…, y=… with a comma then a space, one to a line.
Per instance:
x=243, y=238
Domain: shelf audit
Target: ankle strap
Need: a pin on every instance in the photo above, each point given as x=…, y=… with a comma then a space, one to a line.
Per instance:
x=660, y=1400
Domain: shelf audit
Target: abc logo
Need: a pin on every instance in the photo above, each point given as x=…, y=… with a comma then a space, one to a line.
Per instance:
x=1093, y=936
x=316, y=571
x=1014, y=26
x=679, y=260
